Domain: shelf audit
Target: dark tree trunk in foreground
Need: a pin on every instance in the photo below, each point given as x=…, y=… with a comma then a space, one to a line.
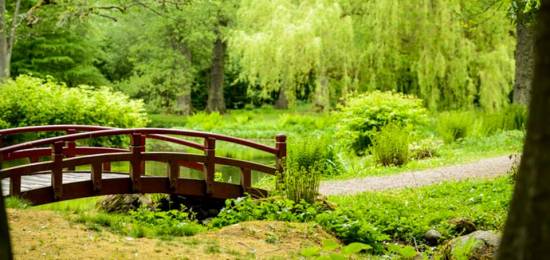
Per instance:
x=527, y=231
x=5, y=245
x=525, y=61
x=215, y=91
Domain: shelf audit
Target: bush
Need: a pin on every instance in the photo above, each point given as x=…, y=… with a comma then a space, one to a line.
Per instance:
x=513, y=117
x=391, y=146
x=28, y=101
x=364, y=115
x=308, y=151
x=273, y=208
x=426, y=148
x=456, y=125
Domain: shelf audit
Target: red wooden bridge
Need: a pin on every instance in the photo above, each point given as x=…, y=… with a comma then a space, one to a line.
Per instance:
x=49, y=172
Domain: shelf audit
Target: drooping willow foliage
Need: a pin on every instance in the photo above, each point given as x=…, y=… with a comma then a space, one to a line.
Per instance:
x=451, y=53
x=285, y=44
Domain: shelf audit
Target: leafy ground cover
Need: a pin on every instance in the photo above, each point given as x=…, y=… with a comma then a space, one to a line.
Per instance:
x=388, y=223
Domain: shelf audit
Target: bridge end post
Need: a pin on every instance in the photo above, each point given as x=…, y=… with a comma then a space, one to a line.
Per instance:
x=280, y=145
x=57, y=169
x=71, y=147
x=137, y=168
x=210, y=164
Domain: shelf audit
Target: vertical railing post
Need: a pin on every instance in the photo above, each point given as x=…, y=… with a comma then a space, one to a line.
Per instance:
x=136, y=164
x=173, y=175
x=96, y=175
x=15, y=181
x=210, y=164
x=246, y=179
x=57, y=169
x=71, y=147
x=280, y=145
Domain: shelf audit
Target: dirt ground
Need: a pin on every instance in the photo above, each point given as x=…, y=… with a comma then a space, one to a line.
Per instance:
x=38, y=234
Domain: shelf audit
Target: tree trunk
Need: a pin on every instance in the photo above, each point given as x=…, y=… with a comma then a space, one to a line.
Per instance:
x=525, y=62
x=4, y=61
x=282, y=100
x=183, y=103
x=215, y=91
x=322, y=94
x=527, y=230
x=5, y=243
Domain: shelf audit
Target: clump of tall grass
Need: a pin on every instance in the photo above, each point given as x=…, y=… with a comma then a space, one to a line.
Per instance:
x=455, y=125
x=391, y=145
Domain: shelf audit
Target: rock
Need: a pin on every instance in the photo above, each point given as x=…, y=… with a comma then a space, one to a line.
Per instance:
x=463, y=226
x=432, y=237
x=475, y=246
x=122, y=203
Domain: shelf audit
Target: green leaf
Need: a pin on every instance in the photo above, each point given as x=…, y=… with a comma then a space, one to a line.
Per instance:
x=330, y=245
x=311, y=251
x=355, y=248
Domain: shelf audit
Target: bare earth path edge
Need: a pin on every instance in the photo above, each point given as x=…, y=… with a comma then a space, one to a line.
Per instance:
x=485, y=168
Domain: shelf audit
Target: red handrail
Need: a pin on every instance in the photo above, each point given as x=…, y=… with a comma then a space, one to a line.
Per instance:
x=143, y=131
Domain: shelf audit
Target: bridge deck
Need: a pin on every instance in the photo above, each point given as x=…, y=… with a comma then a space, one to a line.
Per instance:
x=32, y=182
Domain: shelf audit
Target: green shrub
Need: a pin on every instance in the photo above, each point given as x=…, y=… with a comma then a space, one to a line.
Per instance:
x=307, y=151
x=28, y=101
x=365, y=114
x=391, y=145
x=455, y=125
x=145, y=223
x=513, y=117
x=32, y=101
x=425, y=148
x=273, y=208
x=349, y=228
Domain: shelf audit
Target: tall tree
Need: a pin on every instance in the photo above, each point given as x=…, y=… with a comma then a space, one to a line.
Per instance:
x=7, y=35
x=283, y=45
x=523, y=14
x=527, y=230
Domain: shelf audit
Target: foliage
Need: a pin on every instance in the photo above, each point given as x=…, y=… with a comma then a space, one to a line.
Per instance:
x=65, y=49
x=349, y=227
x=332, y=250
x=405, y=215
x=455, y=125
x=390, y=146
x=452, y=54
x=145, y=223
x=300, y=183
x=30, y=101
x=365, y=114
x=314, y=153
x=274, y=208
x=425, y=148
x=15, y=203
x=286, y=45
x=513, y=117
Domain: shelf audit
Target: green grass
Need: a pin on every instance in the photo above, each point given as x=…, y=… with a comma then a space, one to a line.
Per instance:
x=405, y=215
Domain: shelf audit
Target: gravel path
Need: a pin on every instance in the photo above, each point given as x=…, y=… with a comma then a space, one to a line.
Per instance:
x=486, y=168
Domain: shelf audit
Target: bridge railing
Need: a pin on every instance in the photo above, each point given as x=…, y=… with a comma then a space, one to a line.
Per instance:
x=64, y=154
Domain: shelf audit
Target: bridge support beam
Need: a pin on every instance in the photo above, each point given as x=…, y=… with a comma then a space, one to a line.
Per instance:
x=246, y=179
x=57, y=169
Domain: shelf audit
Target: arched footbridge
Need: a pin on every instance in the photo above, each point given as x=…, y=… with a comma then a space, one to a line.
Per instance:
x=51, y=169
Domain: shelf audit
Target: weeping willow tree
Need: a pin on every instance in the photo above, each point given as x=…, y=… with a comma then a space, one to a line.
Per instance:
x=282, y=45
x=451, y=53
